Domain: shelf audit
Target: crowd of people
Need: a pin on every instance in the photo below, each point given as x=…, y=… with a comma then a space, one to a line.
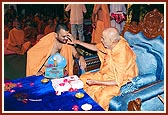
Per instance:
x=36, y=26
x=32, y=27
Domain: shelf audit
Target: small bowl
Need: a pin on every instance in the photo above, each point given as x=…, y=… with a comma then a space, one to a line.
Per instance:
x=45, y=80
x=86, y=107
x=79, y=95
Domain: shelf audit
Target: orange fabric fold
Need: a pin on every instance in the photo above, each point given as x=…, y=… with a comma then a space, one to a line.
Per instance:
x=16, y=41
x=97, y=33
x=39, y=53
x=118, y=64
x=49, y=29
x=66, y=51
x=106, y=17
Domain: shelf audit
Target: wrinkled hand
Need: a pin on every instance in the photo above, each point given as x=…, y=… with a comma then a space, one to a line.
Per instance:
x=82, y=62
x=71, y=39
x=91, y=82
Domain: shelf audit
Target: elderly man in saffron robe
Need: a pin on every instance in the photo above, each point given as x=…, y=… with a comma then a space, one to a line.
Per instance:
x=118, y=66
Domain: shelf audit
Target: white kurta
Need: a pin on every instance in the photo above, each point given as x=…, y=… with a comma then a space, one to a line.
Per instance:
x=114, y=8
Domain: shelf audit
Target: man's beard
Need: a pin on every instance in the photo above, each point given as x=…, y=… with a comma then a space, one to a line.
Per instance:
x=64, y=41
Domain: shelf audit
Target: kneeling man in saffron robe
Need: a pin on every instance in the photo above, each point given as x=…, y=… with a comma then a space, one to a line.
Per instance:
x=49, y=45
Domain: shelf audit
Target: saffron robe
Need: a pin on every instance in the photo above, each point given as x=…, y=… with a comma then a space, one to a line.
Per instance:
x=39, y=53
x=49, y=29
x=118, y=64
x=101, y=25
x=16, y=41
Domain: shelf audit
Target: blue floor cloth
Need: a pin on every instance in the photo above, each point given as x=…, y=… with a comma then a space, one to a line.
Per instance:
x=33, y=88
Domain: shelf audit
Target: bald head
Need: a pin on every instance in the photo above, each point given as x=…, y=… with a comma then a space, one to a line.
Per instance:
x=110, y=37
x=111, y=33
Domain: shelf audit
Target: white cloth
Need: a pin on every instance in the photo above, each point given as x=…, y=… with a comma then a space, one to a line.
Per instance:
x=66, y=84
x=115, y=8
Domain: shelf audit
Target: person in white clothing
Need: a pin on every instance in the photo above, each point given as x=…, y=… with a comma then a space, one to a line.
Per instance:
x=117, y=16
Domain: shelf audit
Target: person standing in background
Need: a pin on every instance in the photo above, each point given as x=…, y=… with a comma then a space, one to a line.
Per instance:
x=77, y=12
x=100, y=21
x=117, y=17
x=11, y=13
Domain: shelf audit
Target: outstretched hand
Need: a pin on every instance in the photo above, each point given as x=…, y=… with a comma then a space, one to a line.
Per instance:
x=91, y=82
x=71, y=39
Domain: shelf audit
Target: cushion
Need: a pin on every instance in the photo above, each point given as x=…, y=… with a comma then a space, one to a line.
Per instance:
x=149, y=52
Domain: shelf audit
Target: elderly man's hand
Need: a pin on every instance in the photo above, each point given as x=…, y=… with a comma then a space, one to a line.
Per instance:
x=71, y=39
x=91, y=82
